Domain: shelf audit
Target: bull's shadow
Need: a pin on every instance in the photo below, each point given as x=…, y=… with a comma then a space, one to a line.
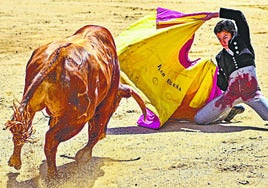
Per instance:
x=70, y=175
x=178, y=126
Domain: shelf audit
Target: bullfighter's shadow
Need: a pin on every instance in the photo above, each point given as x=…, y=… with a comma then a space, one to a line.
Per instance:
x=174, y=125
x=70, y=175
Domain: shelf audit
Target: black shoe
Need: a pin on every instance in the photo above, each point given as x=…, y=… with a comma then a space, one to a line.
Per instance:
x=235, y=110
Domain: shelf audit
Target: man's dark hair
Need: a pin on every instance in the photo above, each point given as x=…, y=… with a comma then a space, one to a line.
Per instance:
x=225, y=25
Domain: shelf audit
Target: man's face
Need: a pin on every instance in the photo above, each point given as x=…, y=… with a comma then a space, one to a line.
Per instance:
x=224, y=38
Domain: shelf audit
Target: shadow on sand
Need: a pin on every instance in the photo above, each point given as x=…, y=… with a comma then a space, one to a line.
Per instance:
x=69, y=175
x=73, y=174
x=178, y=126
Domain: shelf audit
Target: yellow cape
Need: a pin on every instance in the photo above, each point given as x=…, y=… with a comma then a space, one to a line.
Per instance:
x=149, y=62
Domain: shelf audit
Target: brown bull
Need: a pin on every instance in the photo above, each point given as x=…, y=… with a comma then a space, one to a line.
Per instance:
x=77, y=80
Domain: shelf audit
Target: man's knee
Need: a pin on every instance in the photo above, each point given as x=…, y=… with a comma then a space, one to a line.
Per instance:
x=200, y=119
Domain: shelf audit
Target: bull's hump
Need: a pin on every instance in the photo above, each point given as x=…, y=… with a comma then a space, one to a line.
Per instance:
x=52, y=47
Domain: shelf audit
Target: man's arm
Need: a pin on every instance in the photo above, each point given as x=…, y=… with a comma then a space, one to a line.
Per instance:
x=240, y=21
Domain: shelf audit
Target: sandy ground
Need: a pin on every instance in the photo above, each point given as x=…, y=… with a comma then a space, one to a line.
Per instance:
x=229, y=155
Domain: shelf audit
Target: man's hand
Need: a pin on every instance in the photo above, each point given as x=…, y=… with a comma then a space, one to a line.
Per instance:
x=211, y=15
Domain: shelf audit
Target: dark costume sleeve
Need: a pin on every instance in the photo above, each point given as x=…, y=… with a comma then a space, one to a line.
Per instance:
x=222, y=81
x=240, y=45
x=241, y=23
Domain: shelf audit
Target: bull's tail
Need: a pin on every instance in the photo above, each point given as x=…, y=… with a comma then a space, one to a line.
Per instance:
x=125, y=91
x=21, y=123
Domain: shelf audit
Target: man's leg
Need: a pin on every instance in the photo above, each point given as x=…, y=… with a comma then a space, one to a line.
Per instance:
x=211, y=112
x=260, y=105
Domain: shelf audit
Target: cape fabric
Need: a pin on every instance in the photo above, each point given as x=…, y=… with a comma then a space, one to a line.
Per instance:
x=153, y=56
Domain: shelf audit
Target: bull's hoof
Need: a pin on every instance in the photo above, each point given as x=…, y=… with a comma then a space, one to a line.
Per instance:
x=83, y=156
x=52, y=179
x=14, y=162
x=52, y=175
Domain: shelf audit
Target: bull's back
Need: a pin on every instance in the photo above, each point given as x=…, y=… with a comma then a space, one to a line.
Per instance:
x=79, y=71
x=94, y=53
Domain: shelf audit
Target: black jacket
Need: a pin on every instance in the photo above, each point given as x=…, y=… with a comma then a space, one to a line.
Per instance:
x=240, y=45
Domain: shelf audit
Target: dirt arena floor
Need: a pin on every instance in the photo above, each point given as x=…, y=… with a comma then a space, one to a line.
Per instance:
x=229, y=155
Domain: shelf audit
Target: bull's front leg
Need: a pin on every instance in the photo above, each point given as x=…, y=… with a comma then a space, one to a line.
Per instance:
x=60, y=132
x=84, y=155
x=15, y=159
x=96, y=131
